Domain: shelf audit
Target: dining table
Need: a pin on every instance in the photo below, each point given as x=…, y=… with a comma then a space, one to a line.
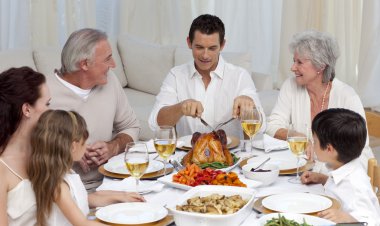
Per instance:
x=167, y=195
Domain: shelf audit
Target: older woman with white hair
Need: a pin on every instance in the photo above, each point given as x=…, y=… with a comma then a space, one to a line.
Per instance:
x=314, y=87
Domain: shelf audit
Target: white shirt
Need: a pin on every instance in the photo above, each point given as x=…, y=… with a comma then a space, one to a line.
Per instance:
x=83, y=93
x=293, y=106
x=351, y=186
x=227, y=82
x=79, y=195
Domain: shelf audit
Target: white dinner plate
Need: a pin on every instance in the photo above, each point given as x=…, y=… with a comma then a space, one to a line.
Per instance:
x=120, y=168
x=299, y=218
x=131, y=213
x=187, y=141
x=284, y=162
x=297, y=203
x=168, y=180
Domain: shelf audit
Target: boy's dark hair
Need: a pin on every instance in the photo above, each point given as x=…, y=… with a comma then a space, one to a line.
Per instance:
x=344, y=129
x=207, y=24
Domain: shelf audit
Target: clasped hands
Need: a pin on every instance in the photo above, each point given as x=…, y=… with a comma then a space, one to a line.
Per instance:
x=96, y=154
x=194, y=108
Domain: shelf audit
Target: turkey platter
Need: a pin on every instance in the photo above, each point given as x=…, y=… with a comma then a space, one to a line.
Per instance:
x=209, y=150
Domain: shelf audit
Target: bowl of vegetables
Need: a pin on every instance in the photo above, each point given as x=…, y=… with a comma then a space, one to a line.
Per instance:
x=292, y=219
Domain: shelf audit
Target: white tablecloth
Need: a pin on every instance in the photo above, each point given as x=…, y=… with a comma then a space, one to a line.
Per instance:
x=169, y=195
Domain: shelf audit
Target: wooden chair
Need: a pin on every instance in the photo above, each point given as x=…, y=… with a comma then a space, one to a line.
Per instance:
x=374, y=174
x=373, y=124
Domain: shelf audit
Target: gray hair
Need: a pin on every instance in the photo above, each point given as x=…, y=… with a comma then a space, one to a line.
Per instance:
x=79, y=46
x=320, y=48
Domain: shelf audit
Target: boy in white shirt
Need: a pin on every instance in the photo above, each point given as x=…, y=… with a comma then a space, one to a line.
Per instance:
x=339, y=137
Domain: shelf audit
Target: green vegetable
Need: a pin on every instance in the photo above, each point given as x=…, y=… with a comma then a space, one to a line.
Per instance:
x=282, y=221
x=218, y=165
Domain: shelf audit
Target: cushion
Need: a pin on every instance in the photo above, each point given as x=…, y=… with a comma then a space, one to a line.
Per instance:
x=16, y=58
x=118, y=70
x=47, y=59
x=142, y=103
x=184, y=55
x=145, y=65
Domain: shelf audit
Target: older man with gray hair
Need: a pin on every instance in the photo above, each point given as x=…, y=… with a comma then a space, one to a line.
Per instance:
x=85, y=84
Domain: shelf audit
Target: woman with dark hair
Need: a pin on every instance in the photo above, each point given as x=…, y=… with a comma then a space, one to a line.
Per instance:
x=24, y=96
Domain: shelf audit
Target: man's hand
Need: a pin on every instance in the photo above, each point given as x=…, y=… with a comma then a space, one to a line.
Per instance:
x=99, y=152
x=191, y=108
x=336, y=215
x=242, y=103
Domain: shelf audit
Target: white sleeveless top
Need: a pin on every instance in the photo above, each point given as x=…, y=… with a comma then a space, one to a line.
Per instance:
x=21, y=202
x=79, y=195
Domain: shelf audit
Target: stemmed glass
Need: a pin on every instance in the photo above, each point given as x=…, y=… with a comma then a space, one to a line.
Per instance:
x=136, y=159
x=165, y=142
x=251, y=121
x=298, y=137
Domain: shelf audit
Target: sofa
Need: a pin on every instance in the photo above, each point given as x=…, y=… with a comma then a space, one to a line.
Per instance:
x=140, y=68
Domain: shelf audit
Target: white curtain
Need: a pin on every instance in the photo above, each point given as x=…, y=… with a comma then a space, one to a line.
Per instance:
x=42, y=23
x=340, y=18
x=261, y=27
x=369, y=58
x=14, y=29
x=251, y=25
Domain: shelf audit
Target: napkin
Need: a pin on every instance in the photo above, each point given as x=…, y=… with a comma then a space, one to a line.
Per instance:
x=129, y=184
x=271, y=144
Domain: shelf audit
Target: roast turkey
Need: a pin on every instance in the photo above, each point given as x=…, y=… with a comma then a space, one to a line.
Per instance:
x=209, y=147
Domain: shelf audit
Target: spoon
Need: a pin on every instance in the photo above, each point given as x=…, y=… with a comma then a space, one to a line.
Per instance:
x=258, y=167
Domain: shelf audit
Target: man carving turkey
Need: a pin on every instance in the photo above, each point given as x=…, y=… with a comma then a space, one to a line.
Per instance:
x=207, y=87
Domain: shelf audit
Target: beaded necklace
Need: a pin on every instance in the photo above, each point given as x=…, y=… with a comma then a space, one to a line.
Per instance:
x=324, y=95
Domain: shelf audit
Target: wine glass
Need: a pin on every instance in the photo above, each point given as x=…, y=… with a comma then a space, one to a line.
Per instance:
x=136, y=159
x=165, y=142
x=251, y=121
x=298, y=137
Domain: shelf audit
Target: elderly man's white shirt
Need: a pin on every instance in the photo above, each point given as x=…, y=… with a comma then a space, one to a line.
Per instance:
x=351, y=186
x=184, y=82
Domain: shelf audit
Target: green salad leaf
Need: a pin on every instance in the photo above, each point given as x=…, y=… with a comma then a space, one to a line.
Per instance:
x=281, y=220
x=218, y=165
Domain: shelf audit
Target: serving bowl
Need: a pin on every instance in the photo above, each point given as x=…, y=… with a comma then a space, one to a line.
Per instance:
x=183, y=218
x=268, y=177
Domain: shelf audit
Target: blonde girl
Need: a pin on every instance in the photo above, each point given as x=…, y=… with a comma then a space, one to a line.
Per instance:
x=59, y=139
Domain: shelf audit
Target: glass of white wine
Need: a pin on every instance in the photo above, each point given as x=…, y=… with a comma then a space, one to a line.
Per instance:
x=165, y=142
x=136, y=159
x=298, y=137
x=251, y=121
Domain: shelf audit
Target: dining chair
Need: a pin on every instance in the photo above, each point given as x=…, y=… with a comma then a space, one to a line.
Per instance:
x=374, y=174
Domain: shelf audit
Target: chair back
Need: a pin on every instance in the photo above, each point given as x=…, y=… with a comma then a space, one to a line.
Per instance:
x=374, y=174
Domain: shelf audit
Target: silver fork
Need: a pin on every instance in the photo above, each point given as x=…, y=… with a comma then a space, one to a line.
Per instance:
x=223, y=123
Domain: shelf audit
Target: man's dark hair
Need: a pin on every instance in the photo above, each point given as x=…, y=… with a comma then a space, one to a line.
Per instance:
x=344, y=129
x=207, y=24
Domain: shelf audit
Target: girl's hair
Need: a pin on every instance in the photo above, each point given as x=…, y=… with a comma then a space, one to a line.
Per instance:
x=51, y=158
x=17, y=87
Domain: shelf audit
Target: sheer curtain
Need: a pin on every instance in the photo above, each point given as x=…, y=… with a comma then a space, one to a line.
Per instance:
x=14, y=29
x=42, y=23
x=261, y=27
x=369, y=58
x=340, y=18
x=251, y=25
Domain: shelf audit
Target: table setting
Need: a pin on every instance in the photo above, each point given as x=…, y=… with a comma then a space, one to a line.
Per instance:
x=267, y=170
